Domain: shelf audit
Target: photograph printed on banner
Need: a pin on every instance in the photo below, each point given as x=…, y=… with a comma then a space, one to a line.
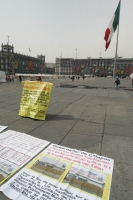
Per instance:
x=86, y=179
x=80, y=177
x=6, y=168
x=50, y=167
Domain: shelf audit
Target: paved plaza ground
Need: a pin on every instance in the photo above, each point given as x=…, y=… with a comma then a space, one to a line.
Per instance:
x=97, y=120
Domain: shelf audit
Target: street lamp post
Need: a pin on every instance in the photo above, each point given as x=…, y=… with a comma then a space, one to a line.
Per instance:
x=8, y=53
x=76, y=53
x=8, y=39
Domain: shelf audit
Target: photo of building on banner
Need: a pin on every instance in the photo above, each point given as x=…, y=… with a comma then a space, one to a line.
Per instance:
x=16, y=149
x=62, y=173
x=35, y=99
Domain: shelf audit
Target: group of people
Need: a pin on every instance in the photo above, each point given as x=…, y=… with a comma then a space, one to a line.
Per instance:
x=117, y=81
x=73, y=77
x=38, y=78
x=10, y=78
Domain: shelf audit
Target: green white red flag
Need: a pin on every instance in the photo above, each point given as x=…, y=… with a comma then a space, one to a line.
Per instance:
x=112, y=26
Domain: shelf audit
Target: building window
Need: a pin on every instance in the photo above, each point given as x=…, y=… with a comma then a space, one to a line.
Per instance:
x=2, y=66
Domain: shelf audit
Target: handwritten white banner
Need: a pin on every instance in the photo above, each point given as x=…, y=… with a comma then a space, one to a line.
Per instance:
x=2, y=128
x=16, y=149
x=61, y=173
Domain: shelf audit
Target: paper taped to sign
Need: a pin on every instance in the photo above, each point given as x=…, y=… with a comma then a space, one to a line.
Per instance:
x=64, y=174
x=16, y=149
x=35, y=99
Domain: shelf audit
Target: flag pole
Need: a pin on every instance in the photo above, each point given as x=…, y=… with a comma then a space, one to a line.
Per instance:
x=114, y=71
x=29, y=51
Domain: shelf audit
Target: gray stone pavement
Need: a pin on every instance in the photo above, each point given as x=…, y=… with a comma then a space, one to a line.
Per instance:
x=94, y=120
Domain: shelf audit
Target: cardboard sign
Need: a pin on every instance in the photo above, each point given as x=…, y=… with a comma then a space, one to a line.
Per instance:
x=35, y=99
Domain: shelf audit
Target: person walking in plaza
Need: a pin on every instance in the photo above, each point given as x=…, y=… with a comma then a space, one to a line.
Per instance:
x=72, y=78
x=83, y=77
x=12, y=78
x=20, y=79
x=117, y=82
x=132, y=81
x=8, y=78
x=39, y=78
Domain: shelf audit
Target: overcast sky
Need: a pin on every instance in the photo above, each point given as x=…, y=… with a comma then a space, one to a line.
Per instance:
x=50, y=27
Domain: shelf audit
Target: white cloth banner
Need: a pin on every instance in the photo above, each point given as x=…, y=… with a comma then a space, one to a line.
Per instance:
x=16, y=149
x=3, y=128
x=60, y=173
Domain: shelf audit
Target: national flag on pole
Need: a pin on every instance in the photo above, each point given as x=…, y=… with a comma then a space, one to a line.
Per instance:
x=29, y=50
x=112, y=26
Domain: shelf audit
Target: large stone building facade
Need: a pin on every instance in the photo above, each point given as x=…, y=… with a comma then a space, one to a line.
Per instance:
x=50, y=68
x=94, y=66
x=12, y=62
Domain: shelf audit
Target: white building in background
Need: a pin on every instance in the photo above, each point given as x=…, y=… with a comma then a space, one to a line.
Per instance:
x=50, y=68
x=63, y=66
x=93, y=66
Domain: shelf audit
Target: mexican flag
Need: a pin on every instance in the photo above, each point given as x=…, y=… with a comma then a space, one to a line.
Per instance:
x=112, y=26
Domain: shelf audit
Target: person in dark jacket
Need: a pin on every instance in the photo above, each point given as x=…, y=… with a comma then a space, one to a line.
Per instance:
x=117, y=82
x=20, y=79
x=39, y=78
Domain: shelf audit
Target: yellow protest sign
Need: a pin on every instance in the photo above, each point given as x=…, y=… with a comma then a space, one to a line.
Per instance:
x=35, y=99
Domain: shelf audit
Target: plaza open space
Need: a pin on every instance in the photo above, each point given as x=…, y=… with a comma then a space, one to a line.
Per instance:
x=89, y=115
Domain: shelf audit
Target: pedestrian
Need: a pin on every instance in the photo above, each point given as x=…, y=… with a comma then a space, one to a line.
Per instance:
x=12, y=78
x=20, y=79
x=8, y=78
x=83, y=77
x=117, y=82
x=73, y=77
x=39, y=78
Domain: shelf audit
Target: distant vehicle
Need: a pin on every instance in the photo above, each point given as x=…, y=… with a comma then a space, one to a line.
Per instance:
x=109, y=76
x=2, y=76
